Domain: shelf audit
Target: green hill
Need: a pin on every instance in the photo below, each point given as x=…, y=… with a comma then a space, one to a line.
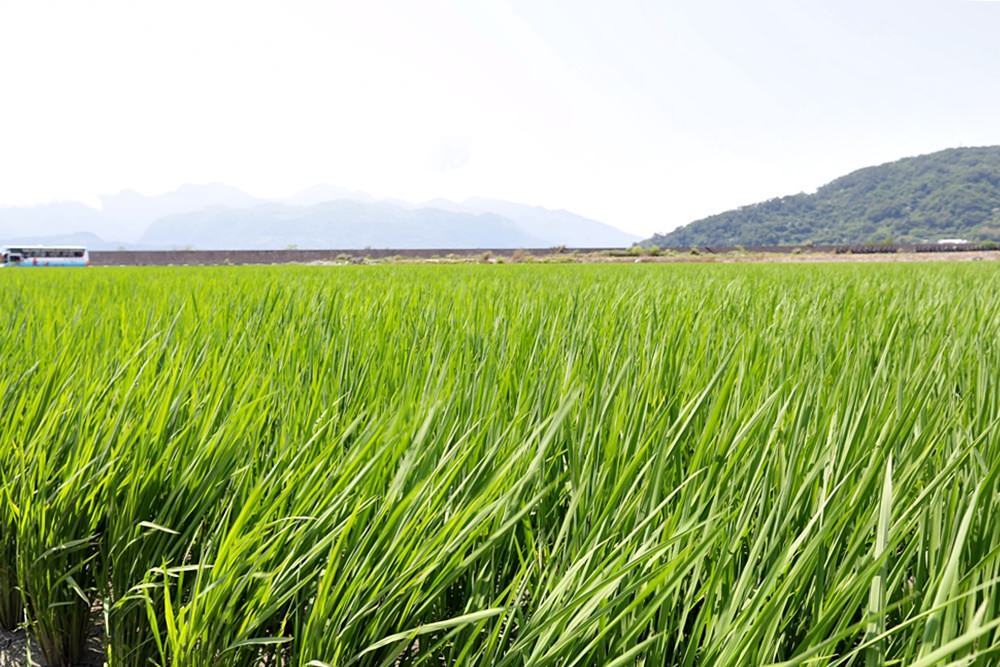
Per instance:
x=950, y=194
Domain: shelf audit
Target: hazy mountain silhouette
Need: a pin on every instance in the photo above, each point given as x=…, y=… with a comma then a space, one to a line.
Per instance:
x=86, y=239
x=122, y=218
x=220, y=216
x=320, y=194
x=59, y=218
x=337, y=224
x=555, y=227
x=132, y=212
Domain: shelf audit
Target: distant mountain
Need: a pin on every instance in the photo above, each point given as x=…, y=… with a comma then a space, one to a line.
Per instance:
x=131, y=213
x=86, y=239
x=55, y=219
x=219, y=216
x=950, y=194
x=553, y=227
x=122, y=218
x=339, y=224
x=320, y=194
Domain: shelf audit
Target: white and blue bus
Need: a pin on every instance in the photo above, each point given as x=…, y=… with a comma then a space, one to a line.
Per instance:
x=36, y=255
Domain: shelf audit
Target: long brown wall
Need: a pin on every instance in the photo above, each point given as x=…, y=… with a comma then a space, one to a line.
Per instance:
x=195, y=257
x=207, y=257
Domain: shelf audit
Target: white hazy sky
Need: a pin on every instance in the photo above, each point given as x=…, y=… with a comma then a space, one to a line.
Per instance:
x=645, y=114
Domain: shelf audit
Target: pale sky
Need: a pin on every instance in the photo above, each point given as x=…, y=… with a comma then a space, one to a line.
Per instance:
x=643, y=114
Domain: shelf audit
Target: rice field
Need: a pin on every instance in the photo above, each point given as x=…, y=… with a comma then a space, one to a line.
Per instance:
x=504, y=465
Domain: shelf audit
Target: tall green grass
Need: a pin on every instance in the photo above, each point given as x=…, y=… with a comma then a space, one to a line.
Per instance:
x=504, y=465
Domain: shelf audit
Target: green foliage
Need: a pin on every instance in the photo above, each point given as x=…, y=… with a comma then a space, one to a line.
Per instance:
x=505, y=465
x=950, y=194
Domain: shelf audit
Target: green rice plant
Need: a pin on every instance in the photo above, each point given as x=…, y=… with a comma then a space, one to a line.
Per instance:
x=514, y=464
x=10, y=597
x=59, y=477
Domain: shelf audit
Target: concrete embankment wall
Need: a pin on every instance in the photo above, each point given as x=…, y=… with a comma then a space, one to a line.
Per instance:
x=207, y=257
x=197, y=257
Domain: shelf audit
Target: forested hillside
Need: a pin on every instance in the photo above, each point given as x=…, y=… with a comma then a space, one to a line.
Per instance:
x=950, y=194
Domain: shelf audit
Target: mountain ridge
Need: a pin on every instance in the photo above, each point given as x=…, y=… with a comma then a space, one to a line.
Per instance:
x=954, y=193
x=337, y=224
x=218, y=216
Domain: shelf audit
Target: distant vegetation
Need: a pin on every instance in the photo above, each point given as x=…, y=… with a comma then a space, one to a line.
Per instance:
x=950, y=194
